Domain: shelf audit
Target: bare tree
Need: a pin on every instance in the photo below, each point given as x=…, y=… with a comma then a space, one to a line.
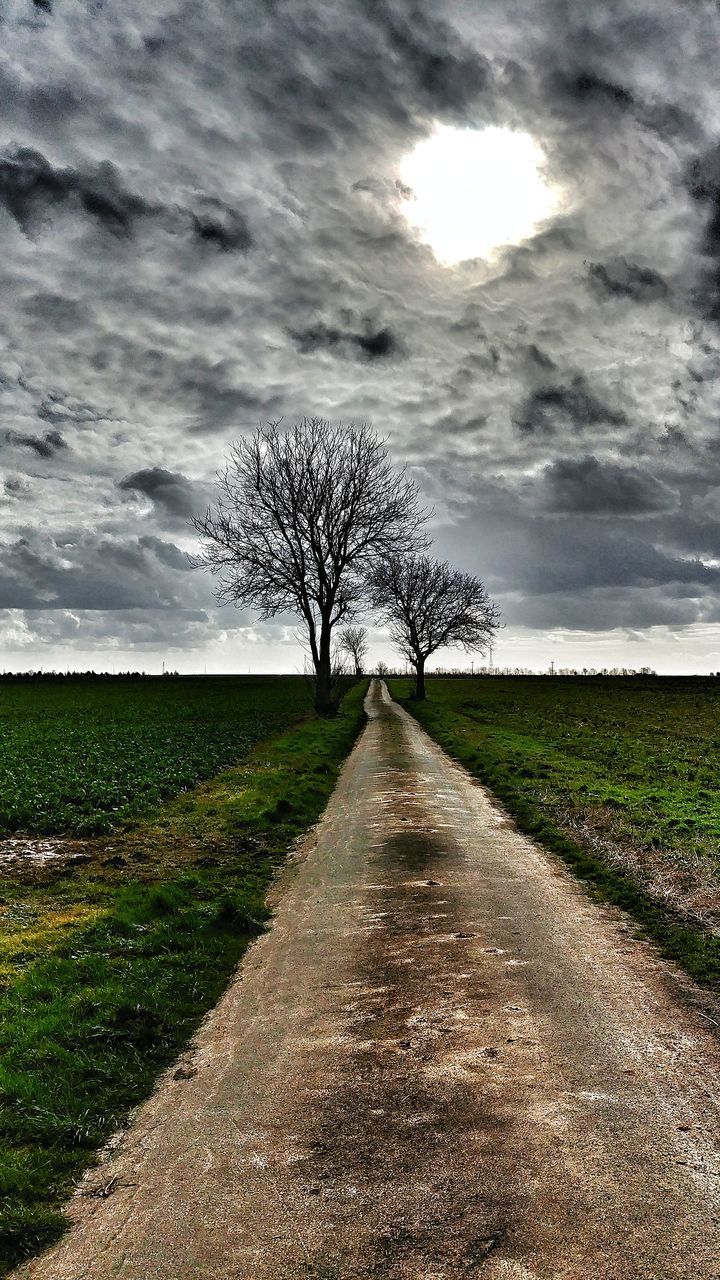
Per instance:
x=301, y=517
x=353, y=642
x=428, y=605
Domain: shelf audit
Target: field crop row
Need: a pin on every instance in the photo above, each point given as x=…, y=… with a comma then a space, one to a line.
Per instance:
x=80, y=756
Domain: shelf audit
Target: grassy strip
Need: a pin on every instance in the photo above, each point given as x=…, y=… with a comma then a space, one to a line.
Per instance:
x=108, y=968
x=694, y=949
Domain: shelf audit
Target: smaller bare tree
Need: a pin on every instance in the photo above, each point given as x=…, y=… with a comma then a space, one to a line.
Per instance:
x=429, y=605
x=353, y=642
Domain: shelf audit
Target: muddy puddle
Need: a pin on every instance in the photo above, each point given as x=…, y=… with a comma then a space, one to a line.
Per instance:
x=23, y=851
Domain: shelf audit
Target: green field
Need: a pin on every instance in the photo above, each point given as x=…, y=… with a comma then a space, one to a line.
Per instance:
x=618, y=775
x=112, y=952
x=81, y=755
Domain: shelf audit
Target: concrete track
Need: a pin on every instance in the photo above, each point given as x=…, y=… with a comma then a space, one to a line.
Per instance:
x=442, y=1061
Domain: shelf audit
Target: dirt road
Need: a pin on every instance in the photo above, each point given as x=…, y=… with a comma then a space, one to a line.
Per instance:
x=443, y=1061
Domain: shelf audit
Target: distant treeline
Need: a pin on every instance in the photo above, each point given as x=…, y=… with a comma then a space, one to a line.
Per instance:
x=556, y=671
x=381, y=670
x=459, y=673
x=93, y=675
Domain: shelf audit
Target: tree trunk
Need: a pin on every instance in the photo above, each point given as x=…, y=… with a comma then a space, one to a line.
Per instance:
x=324, y=702
x=419, y=680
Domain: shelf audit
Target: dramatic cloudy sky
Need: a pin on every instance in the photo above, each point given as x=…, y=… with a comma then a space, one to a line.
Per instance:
x=202, y=226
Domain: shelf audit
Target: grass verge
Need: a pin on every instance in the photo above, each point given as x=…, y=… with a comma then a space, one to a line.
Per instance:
x=518, y=769
x=108, y=962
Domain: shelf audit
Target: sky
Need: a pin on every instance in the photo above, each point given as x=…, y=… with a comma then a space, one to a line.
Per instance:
x=206, y=223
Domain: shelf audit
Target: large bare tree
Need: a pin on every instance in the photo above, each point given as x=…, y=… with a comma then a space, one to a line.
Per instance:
x=353, y=642
x=301, y=518
x=429, y=605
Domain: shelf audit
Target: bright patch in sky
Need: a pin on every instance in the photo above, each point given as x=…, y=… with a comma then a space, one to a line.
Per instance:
x=474, y=190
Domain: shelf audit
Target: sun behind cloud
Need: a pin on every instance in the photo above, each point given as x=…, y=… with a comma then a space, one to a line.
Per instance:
x=472, y=191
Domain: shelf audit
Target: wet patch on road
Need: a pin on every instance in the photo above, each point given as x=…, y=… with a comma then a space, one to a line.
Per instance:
x=421, y=1131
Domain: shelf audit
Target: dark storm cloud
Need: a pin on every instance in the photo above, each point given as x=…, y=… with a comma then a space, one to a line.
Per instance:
x=16, y=487
x=370, y=344
x=446, y=75
x=582, y=562
x=673, y=437
x=624, y=279
x=594, y=487
x=322, y=74
x=220, y=227
x=166, y=552
x=598, y=99
x=31, y=188
x=618, y=66
x=603, y=609
x=538, y=358
x=56, y=310
x=58, y=408
x=81, y=571
x=556, y=406
x=523, y=262
x=588, y=89
x=210, y=391
x=561, y=579
x=60, y=631
x=44, y=103
x=45, y=446
x=170, y=491
x=703, y=183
